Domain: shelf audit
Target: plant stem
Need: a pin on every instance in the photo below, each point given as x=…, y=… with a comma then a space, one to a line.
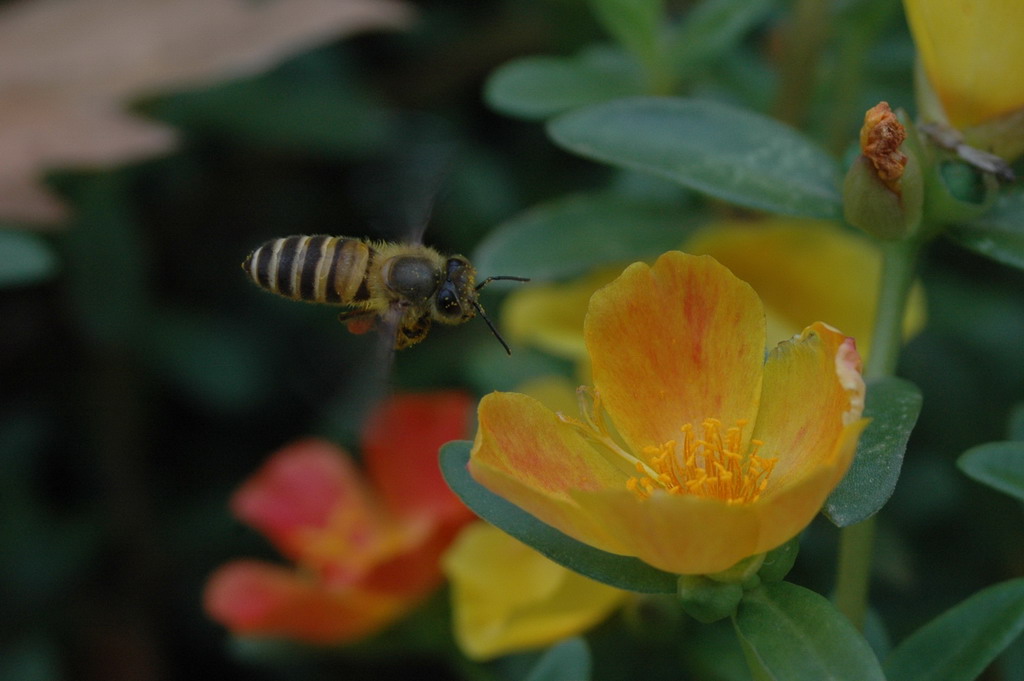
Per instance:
x=898, y=261
x=802, y=44
x=856, y=542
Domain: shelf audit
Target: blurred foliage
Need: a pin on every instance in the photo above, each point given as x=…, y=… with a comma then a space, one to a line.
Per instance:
x=143, y=377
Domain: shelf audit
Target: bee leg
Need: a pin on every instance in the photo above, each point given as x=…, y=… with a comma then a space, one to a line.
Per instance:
x=357, y=321
x=412, y=332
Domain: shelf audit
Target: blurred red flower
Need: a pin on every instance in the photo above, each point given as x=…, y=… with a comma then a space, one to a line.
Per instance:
x=365, y=544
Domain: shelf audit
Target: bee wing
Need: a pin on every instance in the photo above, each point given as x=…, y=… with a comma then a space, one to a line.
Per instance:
x=382, y=359
x=423, y=174
x=368, y=382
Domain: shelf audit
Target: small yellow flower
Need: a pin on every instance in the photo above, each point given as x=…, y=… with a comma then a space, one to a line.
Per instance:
x=507, y=597
x=803, y=270
x=713, y=452
x=971, y=52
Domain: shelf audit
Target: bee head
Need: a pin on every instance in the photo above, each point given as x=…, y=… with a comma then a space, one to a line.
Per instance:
x=455, y=300
x=458, y=294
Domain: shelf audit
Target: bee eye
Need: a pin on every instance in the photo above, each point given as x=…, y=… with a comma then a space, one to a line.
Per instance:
x=447, y=301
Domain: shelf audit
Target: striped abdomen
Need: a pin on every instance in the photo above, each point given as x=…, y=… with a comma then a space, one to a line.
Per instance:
x=316, y=269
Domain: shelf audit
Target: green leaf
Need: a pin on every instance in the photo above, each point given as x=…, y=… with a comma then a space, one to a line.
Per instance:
x=536, y=88
x=25, y=259
x=789, y=633
x=635, y=24
x=893, y=405
x=730, y=153
x=961, y=642
x=1015, y=428
x=1000, y=465
x=999, y=233
x=567, y=661
x=713, y=27
x=624, y=572
x=573, y=234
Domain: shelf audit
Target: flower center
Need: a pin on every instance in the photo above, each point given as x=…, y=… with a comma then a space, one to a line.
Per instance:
x=352, y=542
x=711, y=466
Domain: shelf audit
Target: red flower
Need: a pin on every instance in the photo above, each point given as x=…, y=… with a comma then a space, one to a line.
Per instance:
x=366, y=548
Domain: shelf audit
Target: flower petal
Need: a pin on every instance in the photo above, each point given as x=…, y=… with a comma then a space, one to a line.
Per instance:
x=677, y=533
x=675, y=343
x=526, y=454
x=259, y=599
x=692, y=535
x=805, y=271
x=400, y=444
x=790, y=507
x=507, y=597
x=813, y=391
x=971, y=53
x=415, y=572
x=301, y=488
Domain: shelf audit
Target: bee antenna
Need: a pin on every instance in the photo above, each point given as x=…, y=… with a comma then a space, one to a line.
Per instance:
x=480, y=311
x=488, y=280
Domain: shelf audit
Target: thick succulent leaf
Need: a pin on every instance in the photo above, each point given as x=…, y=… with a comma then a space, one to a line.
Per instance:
x=788, y=633
x=730, y=153
x=25, y=259
x=999, y=465
x=538, y=87
x=567, y=661
x=999, y=234
x=573, y=234
x=893, y=405
x=961, y=642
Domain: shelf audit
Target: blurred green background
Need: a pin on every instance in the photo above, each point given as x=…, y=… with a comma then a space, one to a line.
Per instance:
x=143, y=377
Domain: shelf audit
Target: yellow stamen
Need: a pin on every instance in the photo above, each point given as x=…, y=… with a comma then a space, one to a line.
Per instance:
x=711, y=466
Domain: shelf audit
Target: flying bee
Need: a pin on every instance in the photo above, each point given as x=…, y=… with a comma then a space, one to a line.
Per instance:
x=401, y=286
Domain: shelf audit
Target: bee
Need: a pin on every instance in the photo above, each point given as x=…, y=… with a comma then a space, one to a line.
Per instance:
x=401, y=286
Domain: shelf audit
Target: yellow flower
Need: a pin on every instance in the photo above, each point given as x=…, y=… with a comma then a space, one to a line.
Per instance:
x=720, y=452
x=806, y=270
x=550, y=316
x=803, y=270
x=507, y=597
x=972, y=53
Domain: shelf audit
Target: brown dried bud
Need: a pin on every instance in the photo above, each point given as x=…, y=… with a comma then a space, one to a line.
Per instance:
x=880, y=140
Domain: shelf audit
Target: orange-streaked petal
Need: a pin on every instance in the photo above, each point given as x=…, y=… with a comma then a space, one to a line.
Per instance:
x=813, y=390
x=805, y=271
x=400, y=443
x=259, y=599
x=678, y=533
x=300, y=489
x=526, y=454
x=694, y=535
x=675, y=343
x=787, y=509
x=506, y=597
x=972, y=54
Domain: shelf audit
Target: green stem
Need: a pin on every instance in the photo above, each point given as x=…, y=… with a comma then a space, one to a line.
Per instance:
x=856, y=547
x=856, y=542
x=898, y=261
x=801, y=51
